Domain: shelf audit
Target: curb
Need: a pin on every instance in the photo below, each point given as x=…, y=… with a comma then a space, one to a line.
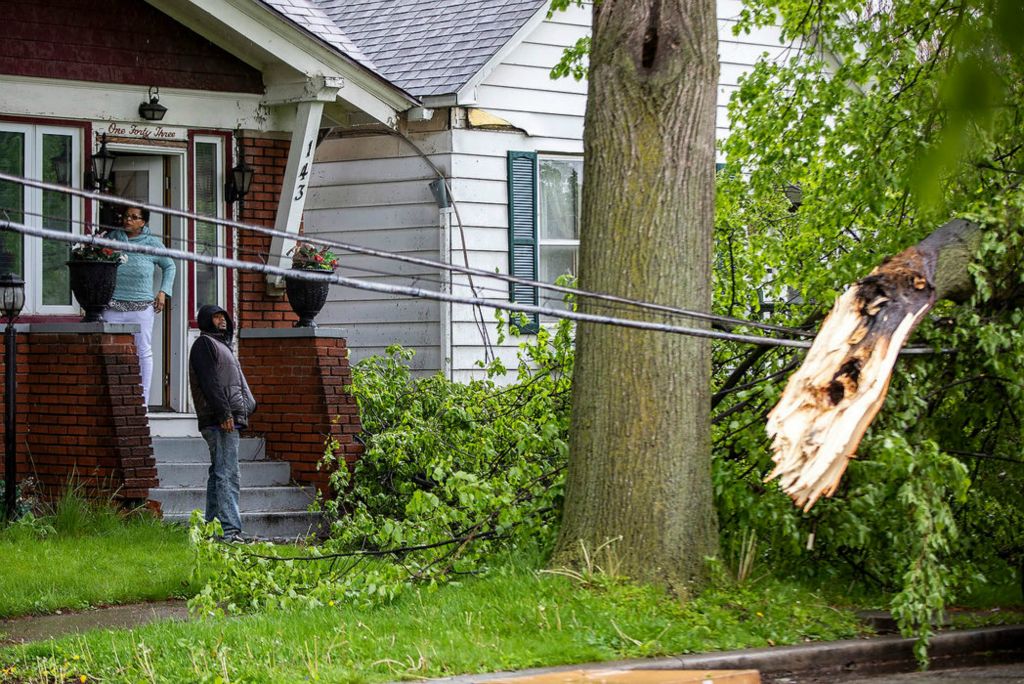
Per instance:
x=829, y=660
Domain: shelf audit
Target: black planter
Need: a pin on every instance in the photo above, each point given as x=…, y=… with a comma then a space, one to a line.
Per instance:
x=93, y=283
x=306, y=297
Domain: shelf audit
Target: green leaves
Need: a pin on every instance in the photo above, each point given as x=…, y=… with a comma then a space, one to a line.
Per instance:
x=891, y=118
x=452, y=472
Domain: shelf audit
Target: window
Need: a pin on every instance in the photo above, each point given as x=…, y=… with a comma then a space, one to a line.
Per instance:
x=544, y=226
x=51, y=154
x=561, y=181
x=210, y=286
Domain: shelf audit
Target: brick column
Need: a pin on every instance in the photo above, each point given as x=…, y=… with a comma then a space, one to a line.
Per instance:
x=257, y=309
x=298, y=376
x=83, y=407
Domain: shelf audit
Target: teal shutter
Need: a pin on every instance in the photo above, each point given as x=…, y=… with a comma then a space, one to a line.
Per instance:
x=522, y=229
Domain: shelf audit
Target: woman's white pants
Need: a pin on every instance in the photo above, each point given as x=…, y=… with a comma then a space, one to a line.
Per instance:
x=143, y=342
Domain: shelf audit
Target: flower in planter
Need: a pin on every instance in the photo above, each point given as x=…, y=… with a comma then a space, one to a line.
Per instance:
x=85, y=251
x=310, y=257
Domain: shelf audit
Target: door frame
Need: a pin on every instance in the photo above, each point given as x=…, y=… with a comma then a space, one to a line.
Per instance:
x=175, y=196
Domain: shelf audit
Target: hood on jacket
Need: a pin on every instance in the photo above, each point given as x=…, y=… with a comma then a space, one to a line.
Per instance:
x=205, y=320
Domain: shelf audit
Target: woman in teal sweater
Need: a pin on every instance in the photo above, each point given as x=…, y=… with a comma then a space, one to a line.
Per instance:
x=134, y=301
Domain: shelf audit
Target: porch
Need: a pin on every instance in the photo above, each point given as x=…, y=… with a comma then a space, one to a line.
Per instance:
x=80, y=421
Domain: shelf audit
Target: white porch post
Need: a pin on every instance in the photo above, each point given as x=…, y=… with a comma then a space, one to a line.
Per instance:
x=295, y=187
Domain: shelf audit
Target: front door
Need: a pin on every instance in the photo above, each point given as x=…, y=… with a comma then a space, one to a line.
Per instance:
x=144, y=179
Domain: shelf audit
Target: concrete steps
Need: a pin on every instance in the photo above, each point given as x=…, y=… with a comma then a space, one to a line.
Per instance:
x=252, y=499
x=281, y=525
x=271, y=507
x=254, y=474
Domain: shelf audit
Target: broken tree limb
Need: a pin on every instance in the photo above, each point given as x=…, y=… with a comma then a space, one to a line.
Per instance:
x=831, y=399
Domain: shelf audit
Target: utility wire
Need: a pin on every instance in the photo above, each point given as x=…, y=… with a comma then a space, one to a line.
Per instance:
x=328, y=277
x=724, y=320
x=414, y=279
x=400, y=289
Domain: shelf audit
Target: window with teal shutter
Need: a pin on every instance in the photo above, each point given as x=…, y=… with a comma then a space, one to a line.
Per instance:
x=522, y=232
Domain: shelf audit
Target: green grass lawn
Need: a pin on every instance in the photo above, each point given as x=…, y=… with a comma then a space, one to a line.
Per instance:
x=85, y=555
x=514, y=617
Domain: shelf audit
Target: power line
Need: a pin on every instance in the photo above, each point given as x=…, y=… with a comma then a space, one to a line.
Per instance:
x=328, y=277
x=724, y=320
x=415, y=279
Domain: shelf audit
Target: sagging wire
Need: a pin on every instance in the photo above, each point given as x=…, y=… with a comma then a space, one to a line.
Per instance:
x=414, y=279
x=727, y=321
x=328, y=277
x=399, y=289
x=478, y=315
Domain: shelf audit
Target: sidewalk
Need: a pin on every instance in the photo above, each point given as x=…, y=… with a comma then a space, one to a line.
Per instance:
x=38, y=627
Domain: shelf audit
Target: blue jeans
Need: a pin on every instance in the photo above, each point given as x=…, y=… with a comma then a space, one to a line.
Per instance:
x=222, y=486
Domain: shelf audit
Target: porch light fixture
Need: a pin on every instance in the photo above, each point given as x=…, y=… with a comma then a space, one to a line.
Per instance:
x=152, y=110
x=239, y=181
x=12, y=299
x=98, y=177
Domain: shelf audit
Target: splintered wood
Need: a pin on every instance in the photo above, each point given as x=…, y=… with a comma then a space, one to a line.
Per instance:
x=831, y=399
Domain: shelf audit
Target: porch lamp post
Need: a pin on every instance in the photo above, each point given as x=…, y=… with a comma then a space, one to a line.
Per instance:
x=12, y=299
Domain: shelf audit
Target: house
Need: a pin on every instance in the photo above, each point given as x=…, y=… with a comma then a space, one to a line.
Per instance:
x=506, y=136
x=348, y=111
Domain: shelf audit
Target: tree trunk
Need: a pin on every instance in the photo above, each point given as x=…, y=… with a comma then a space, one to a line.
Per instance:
x=639, y=467
x=831, y=399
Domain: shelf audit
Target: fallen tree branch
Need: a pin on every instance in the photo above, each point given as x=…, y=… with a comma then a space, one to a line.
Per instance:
x=831, y=399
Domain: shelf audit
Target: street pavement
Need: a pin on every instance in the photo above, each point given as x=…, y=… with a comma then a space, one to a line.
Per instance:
x=995, y=674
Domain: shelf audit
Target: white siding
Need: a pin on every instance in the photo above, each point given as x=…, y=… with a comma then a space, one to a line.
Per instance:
x=373, y=192
x=521, y=91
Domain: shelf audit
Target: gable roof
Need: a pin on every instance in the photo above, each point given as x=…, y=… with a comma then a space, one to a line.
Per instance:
x=425, y=47
x=309, y=16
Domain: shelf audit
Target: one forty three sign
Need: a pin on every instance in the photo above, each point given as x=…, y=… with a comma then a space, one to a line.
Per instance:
x=115, y=129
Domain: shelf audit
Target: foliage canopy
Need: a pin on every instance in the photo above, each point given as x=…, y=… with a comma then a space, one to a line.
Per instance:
x=889, y=118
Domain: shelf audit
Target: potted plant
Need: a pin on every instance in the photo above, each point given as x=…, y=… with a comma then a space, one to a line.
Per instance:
x=93, y=271
x=307, y=297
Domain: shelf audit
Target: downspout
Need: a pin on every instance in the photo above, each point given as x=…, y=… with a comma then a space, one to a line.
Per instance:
x=445, y=216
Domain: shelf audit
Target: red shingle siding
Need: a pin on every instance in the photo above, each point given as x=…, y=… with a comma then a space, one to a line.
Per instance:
x=257, y=309
x=115, y=41
x=300, y=386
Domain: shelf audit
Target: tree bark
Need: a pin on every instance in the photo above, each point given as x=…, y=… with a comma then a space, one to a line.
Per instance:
x=831, y=399
x=639, y=468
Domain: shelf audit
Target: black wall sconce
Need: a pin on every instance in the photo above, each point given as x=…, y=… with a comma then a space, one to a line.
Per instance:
x=152, y=110
x=98, y=176
x=239, y=180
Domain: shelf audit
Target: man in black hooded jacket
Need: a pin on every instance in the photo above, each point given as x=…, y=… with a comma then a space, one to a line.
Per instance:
x=223, y=404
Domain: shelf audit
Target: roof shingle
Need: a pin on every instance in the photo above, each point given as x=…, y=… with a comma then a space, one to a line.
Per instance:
x=426, y=47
